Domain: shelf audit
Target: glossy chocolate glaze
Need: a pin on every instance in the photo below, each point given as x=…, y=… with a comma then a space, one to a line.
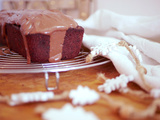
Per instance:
x=52, y=23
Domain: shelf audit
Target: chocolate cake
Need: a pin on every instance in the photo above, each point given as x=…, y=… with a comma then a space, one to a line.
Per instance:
x=41, y=35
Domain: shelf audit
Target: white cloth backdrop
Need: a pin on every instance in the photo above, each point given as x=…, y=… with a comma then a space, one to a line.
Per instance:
x=106, y=27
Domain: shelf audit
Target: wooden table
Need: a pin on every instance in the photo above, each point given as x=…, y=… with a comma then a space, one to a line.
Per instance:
x=15, y=83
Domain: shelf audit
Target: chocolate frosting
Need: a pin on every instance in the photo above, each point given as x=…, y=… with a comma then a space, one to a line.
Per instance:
x=47, y=22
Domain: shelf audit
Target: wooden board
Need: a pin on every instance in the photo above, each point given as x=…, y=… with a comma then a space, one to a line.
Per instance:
x=15, y=83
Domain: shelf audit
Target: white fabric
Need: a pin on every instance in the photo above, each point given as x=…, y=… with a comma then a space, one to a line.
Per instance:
x=106, y=27
x=103, y=21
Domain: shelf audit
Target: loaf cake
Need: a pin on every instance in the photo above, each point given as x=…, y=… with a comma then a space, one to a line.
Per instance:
x=40, y=35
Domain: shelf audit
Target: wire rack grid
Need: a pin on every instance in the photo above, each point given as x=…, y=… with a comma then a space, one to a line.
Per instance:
x=11, y=62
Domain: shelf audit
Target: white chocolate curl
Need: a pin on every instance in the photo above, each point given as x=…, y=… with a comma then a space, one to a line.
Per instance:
x=68, y=112
x=115, y=83
x=83, y=95
x=22, y=98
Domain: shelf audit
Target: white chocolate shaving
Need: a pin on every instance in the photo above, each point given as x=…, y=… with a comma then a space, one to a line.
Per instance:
x=22, y=98
x=103, y=49
x=83, y=95
x=68, y=113
x=115, y=83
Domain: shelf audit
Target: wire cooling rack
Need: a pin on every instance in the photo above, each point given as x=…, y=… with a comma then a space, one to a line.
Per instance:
x=11, y=62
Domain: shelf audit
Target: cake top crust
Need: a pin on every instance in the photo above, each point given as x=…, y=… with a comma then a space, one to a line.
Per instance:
x=37, y=21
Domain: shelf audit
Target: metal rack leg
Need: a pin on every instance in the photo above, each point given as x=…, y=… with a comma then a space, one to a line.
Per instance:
x=47, y=79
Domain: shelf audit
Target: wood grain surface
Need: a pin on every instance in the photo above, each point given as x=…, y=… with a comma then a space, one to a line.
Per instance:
x=16, y=83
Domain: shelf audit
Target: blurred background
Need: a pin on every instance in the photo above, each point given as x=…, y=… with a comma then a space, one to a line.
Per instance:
x=83, y=8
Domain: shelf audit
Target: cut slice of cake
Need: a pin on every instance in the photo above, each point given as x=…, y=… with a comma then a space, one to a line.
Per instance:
x=41, y=35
